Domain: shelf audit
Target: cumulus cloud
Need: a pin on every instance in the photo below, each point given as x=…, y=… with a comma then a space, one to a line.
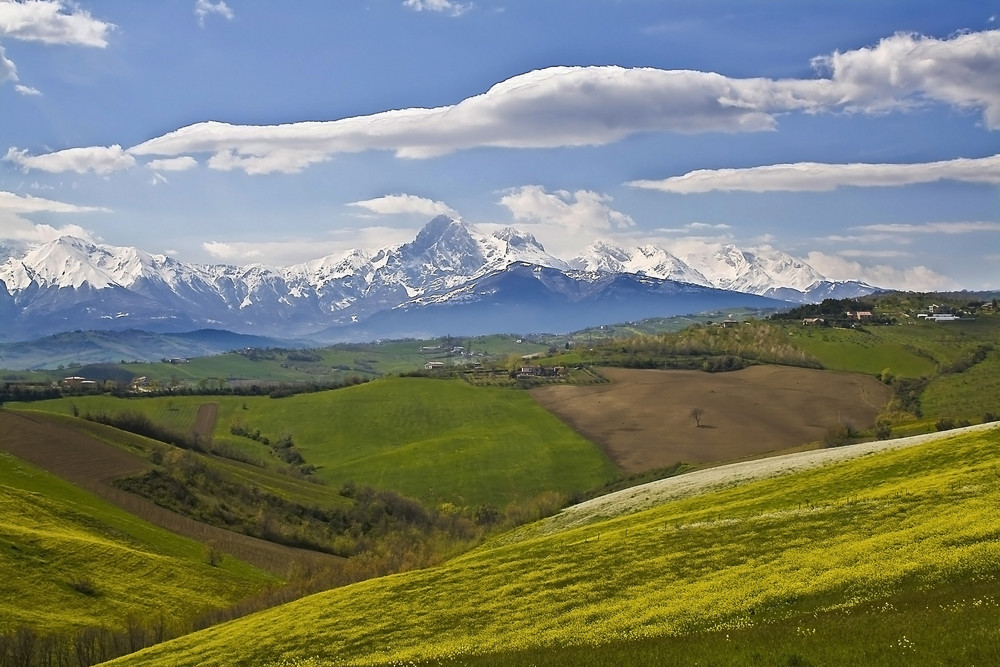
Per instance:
x=203, y=8
x=16, y=228
x=182, y=163
x=913, y=278
x=52, y=22
x=97, y=159
x=589, y=106
x=564, y=221
x=446, y=6
x=819, y=177
x=403, y=204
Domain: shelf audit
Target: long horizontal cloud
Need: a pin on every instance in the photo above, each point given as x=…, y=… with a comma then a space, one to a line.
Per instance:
x=14, y=203
x=818, y=177
x=98, y=159
x=932, y=228
x=47, y=21
x=403, y=204
x=581, y=106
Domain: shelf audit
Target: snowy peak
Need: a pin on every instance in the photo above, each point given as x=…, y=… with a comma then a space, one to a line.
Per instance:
x=65, y=262
x=649, y=260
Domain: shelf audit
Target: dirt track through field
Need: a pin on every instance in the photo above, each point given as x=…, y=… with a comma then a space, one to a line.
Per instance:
x=643, y=420
x=204, y=422
x=93, y=465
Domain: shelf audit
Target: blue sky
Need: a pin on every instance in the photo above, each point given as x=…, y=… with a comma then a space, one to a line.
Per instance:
x=860, y=136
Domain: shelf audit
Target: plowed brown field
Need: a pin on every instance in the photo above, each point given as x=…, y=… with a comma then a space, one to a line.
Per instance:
x=643, y=420
x=93, y=464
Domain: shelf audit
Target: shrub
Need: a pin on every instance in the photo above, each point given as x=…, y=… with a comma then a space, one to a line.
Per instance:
x=945, y=424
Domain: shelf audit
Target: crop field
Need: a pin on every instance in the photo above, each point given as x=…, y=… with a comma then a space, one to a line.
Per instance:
x=70, y=560
x=888, y=558
x=643, y=417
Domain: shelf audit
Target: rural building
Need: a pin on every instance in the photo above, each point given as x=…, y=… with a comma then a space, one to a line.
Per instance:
x=433, y=365
x=79, y=383
x=859, y=315
x=813, y=321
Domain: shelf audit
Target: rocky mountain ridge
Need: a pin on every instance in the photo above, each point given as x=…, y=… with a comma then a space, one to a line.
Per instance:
x=69, y=283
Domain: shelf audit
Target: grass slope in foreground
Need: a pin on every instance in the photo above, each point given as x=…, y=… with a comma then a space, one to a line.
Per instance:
x=864, y=561
x=69, y=560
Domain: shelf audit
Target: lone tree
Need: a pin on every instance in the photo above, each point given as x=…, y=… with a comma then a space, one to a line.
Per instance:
x=696, y=414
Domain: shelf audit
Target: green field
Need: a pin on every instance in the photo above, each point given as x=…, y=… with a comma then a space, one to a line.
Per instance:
x=866, y=561
x=71, y=560
x=436, y=440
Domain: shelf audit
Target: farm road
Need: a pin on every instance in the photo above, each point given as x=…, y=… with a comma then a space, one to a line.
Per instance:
x=638, y=498
x=93, y=465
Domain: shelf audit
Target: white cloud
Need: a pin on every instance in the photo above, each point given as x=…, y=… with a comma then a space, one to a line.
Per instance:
x=564, y=221
x=97, y=159
x=907, y=69
x=14, y=227
x=818, y=177
x=403, y=204
x=8, y=70
x=875, y=254
x=695, y=227
x=587, y=106
x=289, y=252
x=447, y=6
x=52, y=22
x=203, y=8
x=27, y=90
x=932, y=228
x=182, y=163
x=233, y=251
x=913, y=278
x=14, y=203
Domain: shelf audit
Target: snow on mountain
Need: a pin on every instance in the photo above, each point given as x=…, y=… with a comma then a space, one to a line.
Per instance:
x=648, y=260
x=70, y=283
x=756, y=271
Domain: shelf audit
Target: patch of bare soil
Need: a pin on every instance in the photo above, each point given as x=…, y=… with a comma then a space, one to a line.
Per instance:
x=92, y=464
x=204, y=422
x=643, y=419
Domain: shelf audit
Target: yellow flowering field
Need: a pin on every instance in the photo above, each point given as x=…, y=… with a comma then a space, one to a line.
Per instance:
x=826, y=540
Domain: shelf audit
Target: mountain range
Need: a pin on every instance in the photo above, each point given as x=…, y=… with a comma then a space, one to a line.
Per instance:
x=451, y=278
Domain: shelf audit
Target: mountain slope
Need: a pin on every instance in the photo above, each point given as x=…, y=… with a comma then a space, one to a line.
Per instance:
x=70, y=284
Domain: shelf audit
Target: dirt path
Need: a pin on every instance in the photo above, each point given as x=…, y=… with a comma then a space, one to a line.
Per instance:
x=204, y=422
x=643, y=420
x=649, y=495
x=92, y=465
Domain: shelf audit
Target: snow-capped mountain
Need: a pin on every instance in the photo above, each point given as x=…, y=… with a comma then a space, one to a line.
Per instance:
x=70, y=283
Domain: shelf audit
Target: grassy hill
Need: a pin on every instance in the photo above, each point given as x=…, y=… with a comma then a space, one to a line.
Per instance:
x=71, y=560
x=890, y=558
x=436, y=440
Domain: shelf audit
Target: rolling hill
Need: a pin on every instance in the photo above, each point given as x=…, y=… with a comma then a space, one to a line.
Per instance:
x=887, y=558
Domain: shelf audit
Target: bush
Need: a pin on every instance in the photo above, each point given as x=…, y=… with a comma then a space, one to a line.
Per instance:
x=945, y=424
x=839, y=434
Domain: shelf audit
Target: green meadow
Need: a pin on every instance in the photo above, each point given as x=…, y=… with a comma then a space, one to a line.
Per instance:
x=435, y=440
x=886, y=559
x=73, y=561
